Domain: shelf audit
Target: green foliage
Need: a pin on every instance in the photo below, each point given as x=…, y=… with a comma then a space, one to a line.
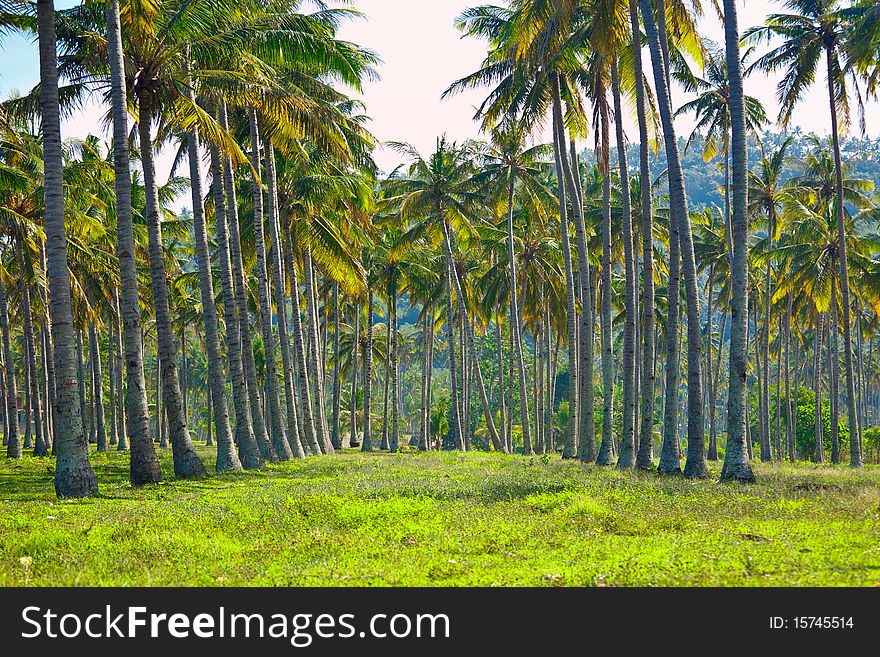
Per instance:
x=806, y=425
x=440, y=519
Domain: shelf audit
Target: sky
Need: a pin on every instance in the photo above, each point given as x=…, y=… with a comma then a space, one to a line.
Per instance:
x=422, y=53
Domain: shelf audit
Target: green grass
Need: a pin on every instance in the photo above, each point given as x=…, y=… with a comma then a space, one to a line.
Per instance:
x=441, y=519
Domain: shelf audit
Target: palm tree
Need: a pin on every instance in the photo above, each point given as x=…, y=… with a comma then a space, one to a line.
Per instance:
x=74, y=476
x=813, y=31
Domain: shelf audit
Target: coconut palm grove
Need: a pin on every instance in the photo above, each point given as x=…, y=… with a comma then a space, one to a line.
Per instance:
x=585, y=348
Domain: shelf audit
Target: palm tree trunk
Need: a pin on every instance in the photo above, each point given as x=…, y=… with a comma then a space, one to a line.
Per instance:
x=114, y=420
x=295, y=435
x=316, y=373
x=279, y=440
x=367, y=444
x=144, y=462
x=40, y=447
x=186, y=461
x=455, y=391
x=248, y=451
x=517, y=329
x=737, y=465
x=227, y=459
x=855, y=451
x=48, y=357
x=353, y=433
x=645, y=456
x=383, y=443
x=502, y=398
x=394, y=438
x=819, y=451
x=766, y=456
x=469, y=338
x=789, y=411
x=833, y=360
x=337, y=375
x=605, y=455
x=585, y=447
x=74, y=476
x=97, y=387
x=13, y=443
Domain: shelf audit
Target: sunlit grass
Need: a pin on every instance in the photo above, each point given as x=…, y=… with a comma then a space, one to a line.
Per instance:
x=441, y=519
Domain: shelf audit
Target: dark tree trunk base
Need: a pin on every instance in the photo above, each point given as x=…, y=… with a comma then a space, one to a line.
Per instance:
x=76, y=478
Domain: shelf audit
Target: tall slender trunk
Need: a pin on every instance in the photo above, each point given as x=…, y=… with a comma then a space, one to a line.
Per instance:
x=517, y=329
x=502, y=398
x=606, y=447
x=114, y=420
x=186, y=461
x=121, y=396
x=789, y=411
x=737, y=464
x=394, y=438
x=423, y=430
x=456, y=428
x=305, y=391
x=248, y=451
x=74, y=476
x=144, y=462
x=355, y=344
x=645, y=457
x=627, y=447
x=13, y=443
x=585, y=447
x=819, y=450
x=469, y=339
x=97, y=387
x=855, y=443
x=227, y=459
x=36, y=408
x=316, y=373
x=277, y=435
x=335, y=438
x=295, y=435
x=833, y=360
x=766, y=456
x=367, y=444
x=48, y=355
x=383, y=443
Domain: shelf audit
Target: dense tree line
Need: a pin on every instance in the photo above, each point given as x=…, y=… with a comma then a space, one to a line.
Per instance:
x=307, y=302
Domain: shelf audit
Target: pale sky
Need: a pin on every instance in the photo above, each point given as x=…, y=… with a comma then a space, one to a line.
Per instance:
x=422, y=54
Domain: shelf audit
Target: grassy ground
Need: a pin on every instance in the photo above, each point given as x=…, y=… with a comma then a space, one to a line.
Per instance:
x=441, y=519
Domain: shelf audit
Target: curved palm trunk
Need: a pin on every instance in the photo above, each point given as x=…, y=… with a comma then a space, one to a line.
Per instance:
x=186, y=461
x=469, y=339
x=315, y=370
x=97, y=387
x=696, y=465
x=74, y=476
x=305, y=391
x=227, y=459
x=13, y=443
x=248, y=451
x=855, y=443
x=517, y=328
x=40, y=447
x=144, y=463
x=367, y=444
x=585, y=448
x=626, y=459
x=294, y=429
x=279, y=440
x=645, y=457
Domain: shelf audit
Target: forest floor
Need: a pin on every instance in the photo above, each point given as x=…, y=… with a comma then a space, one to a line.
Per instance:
x=441, y=519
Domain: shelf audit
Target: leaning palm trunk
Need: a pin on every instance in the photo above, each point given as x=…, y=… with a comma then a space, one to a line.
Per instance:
x=294, y=429
x=186, y=461
x=469, y=339
x=571, y=446
x=644, y=459
x=240, y=287
x=74, y=476
x=36, y=408
x=13, y=443
x=280, y=444
x=626, y=459
x=315, y=370
x=227, y=459
x=855, y=443
x=696, y=465
x=737, y=465
x=144, y=463
x=248, y=451
x=517, y=328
